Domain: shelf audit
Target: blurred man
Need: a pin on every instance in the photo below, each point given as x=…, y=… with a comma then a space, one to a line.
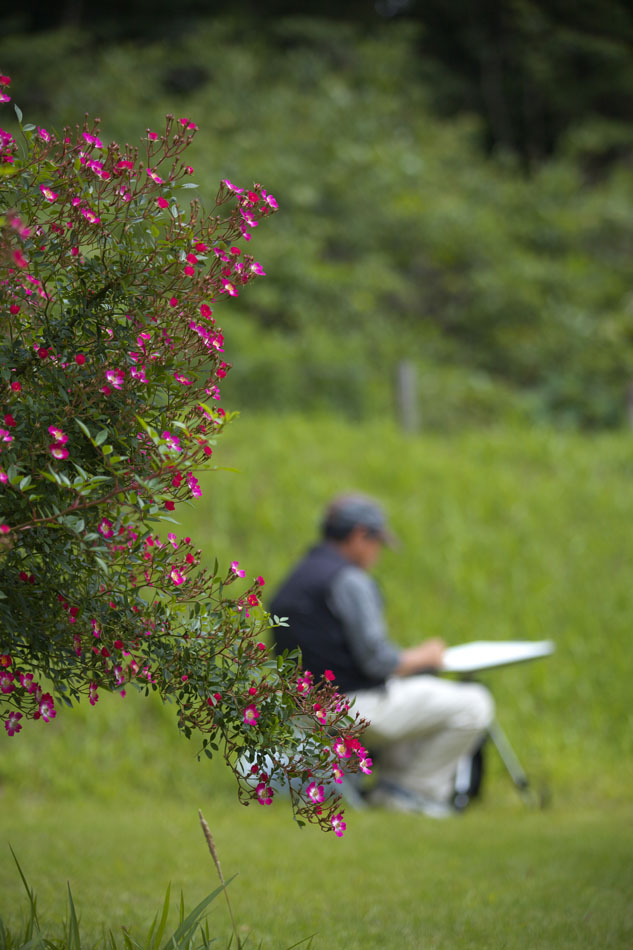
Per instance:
x=421, y=723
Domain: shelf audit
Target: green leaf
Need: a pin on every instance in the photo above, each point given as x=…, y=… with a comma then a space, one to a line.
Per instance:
x=101, y=437
x=18, y=112
x=74, y=940
x=190, y=922
x=304, y=939
x=33, y=921
x=83, y=428
x=162, y=923
x=129, y=943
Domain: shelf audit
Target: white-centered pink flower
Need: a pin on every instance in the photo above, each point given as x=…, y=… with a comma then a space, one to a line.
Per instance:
x=341, y=749
x=338, y=825
x=12, y=723
x=194, y=485
x=58, y=434
x=48, y=193
x=251, y=715
x=92, y=140
x=90, y=216
x=264, y=794
x=116, y=377
x=173, y=442
x=315, y=793
x=106, y=528
x=304, y=683
x=229, y=288
x=46, y=709
x=7, y=684
x=58, y=451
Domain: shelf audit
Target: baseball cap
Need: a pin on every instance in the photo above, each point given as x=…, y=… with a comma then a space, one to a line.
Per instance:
x=346, y=511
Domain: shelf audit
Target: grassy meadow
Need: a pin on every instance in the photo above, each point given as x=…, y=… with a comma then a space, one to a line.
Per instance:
x=504, y=534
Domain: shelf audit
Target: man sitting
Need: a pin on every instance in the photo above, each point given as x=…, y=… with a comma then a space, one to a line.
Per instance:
x=421, y=723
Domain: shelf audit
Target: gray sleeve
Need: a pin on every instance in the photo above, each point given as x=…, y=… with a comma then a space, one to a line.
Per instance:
x=355, y=600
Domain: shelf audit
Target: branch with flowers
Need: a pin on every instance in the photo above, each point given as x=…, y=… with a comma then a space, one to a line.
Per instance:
x=111, y=363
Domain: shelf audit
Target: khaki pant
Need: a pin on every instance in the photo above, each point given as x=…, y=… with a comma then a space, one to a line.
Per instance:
x=422, y=726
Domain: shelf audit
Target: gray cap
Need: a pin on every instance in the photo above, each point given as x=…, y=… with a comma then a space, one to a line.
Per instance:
x=345, y=512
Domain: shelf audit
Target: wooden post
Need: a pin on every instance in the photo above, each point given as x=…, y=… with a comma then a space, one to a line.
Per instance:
x=407, y=396
x=629, y=405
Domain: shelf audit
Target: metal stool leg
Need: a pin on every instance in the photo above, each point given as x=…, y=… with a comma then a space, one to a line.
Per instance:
x=510, y=760
x=463, y=779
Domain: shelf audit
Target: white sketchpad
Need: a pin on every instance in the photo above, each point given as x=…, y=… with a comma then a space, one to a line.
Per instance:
x=486, y=654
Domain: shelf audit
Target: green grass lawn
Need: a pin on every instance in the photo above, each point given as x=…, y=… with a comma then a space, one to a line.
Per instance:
x=505, y=534
x=499, y=876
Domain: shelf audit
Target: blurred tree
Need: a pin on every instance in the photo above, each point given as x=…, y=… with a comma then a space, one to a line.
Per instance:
x=529, y=68
x=398, y=239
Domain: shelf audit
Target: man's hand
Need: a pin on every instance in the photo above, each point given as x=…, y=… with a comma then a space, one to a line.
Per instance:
x=427, y=655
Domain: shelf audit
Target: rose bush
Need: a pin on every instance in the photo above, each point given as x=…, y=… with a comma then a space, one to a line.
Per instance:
x=111, y=363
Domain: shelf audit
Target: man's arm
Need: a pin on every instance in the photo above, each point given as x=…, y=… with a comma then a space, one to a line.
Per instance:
x=354, y=598
x=427, y=655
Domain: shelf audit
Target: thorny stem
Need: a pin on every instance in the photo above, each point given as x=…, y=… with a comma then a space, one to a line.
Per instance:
x=72, y=509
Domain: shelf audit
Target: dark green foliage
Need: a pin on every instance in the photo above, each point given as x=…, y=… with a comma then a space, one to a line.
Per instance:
x=529, y=68
x=398, y=238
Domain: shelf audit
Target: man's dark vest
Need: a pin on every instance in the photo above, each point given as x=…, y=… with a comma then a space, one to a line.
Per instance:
x=303, y=599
